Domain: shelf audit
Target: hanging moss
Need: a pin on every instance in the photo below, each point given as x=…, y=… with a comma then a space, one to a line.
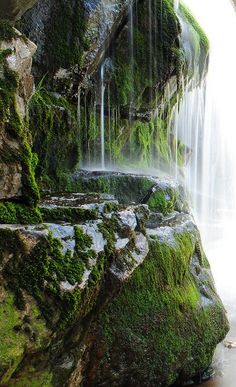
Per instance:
x=55, y=135
x=66, y=35
x=135, y=143
x=156, y=54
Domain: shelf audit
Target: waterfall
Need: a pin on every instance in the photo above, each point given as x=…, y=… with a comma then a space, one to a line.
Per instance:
x=206, y=124
x=176, y=5
x=102, y=118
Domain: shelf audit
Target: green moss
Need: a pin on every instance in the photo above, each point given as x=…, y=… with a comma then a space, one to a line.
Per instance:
x=156, y=54
x=163, y=201
x=108, y=228
x=191, y=19
x=136, y=144
x=202, y=44
x=83, y=241
x=71, y=215
x=159, y=313
x=19, y=214
x=53, y=125
x=17, y=332
x=125, y=188
x=42, y=271
x=66, y=43
x=12, y=343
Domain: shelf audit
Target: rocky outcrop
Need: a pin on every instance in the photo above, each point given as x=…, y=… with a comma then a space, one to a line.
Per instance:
x=88, y=27
x=19, y=61
x=101, y=283
x=16, y=178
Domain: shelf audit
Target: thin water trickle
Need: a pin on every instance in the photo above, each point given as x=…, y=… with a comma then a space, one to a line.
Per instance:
x=102, y=117
x=206, y=124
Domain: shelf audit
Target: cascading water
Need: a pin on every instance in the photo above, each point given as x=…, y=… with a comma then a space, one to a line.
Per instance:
x=176, y=4
x=211, y=134
x=206, y=123
x=102, y=119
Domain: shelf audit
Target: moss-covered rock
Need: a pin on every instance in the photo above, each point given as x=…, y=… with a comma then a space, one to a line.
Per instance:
x=55, y=136
x=140, y=89
x=161, y=195
x=87, y=299
x=164, y=324
x=16, y=158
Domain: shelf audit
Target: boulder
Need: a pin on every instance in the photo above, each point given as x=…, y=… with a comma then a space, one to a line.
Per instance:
x=123, y=291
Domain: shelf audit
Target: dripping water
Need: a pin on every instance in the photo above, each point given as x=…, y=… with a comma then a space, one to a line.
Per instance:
x=176, y=5
x=102, y=117
x=206, y=125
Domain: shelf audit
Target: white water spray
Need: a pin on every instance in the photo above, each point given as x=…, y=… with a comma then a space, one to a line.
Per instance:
x=176, y=4
x=211, y=176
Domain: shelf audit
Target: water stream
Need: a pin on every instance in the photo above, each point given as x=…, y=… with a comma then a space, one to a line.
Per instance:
x=102, y=118
x=206, y=123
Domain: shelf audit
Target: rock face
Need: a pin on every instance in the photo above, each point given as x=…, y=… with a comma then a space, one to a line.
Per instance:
x=14, y=9
x=19, y=61
x=88, y=27
x=16, y=88
x=140, y=88
x=120, y=294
